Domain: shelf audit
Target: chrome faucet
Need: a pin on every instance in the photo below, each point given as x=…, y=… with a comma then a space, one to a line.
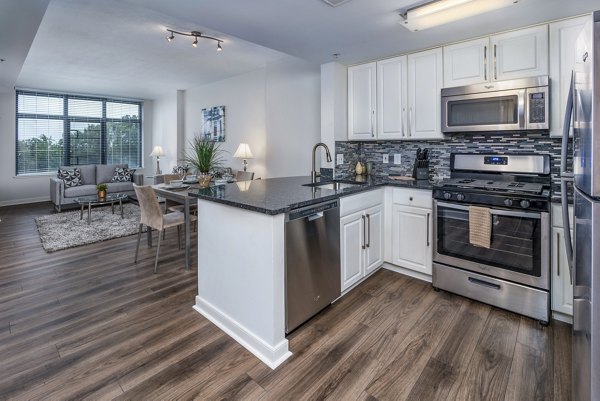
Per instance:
x=313, y=173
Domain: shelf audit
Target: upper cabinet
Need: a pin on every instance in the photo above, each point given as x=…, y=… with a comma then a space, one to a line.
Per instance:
x=407, y=93
x=392, y=98
x=516, y=54
x=563, y=35
x=467, y=63
x=424, y=98
x=362, y=101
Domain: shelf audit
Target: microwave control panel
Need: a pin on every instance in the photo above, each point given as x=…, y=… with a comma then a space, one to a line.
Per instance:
x=537, y=107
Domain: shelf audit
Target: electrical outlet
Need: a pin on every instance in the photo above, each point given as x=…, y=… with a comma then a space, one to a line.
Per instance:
x=397, y=158
x=386, y=158
x=339, y=159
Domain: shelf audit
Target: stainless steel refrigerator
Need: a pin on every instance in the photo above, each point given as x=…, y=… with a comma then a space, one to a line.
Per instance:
x=583, y=109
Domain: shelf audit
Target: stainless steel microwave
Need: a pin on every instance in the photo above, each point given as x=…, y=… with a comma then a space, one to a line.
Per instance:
x=515, y=105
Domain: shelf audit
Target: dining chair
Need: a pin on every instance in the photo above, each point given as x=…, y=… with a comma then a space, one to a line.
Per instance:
x=153, y=218
x=244, y=176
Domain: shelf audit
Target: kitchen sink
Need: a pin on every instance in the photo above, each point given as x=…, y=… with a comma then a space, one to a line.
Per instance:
x=334, y=185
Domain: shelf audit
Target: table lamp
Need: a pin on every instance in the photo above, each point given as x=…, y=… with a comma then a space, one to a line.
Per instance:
x=243, y=152
x=158, y=152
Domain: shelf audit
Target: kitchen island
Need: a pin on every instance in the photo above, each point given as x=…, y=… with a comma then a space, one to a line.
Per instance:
x=241, y=256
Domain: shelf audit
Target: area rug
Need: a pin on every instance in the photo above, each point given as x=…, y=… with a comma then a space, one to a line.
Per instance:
x=65, y=230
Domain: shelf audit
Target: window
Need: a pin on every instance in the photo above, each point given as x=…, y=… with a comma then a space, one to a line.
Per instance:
x=56, y=130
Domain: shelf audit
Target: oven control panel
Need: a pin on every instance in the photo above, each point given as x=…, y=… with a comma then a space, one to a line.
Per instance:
x=492, y=200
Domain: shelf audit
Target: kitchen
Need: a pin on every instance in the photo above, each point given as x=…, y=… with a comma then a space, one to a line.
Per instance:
x=510, y=160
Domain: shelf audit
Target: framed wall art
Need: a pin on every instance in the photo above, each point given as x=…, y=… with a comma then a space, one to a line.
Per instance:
x=213, y=123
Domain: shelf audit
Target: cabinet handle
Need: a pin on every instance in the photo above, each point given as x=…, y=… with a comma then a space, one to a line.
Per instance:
x=485, y=66
x=427, y=229
x=495, y=63
x=372, y=128
x=558, y=254
x=364, y=229
x=410, y=121
x=403, y=122
x=369, y=230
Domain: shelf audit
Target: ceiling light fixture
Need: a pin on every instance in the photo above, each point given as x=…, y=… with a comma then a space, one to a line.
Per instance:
x=440, y=12
x=195, y=35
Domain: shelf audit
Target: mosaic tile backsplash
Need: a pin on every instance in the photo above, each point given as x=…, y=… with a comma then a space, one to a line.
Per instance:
x=439, y=153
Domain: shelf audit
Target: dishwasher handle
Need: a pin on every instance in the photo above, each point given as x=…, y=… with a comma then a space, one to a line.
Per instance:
x=312, y=212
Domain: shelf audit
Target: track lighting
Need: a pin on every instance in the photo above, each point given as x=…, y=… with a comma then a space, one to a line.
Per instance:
x=195, y=35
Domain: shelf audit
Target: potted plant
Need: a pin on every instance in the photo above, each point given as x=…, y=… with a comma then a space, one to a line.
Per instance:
x=101, y=188
x=205, y=156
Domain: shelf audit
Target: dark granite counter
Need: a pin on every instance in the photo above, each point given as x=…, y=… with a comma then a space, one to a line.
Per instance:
x=279, y=195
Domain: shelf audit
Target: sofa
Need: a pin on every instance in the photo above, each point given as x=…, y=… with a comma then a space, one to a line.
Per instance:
x=91, y=175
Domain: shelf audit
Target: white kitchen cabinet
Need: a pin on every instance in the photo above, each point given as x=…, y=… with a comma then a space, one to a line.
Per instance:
x=411, y=238
x=467, y=63
x=391, y=98
x=521, y=53
x=362, y=101
x=561, y=286
x=424, y=100
x=516, y=54
x=361, y=236
x=563, y=35
x=409, y=231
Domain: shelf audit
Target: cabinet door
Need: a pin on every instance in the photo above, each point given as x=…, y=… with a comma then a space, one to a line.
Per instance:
x=520, y=54
x=361, y=101
x=352, y=254
x=391, y=98
x=374, y=240
x=562, y=288
x=411, y=238
x=424, y=86
x=563, y=35
x=467, y=63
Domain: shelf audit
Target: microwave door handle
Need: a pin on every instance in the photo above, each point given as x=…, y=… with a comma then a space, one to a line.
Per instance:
x=522, y=115
x=566, y=177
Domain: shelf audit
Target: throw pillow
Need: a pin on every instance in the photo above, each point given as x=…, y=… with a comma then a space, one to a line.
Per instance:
x=123, y=174
x=71, y=178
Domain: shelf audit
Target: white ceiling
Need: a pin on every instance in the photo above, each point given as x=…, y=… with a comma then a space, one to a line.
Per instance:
x=118, y=48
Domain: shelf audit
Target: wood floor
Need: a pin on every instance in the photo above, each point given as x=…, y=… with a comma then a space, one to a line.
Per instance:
x=87, y=323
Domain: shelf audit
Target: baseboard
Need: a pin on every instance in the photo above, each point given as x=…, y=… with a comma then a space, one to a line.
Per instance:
x=24, y=201
x=407, y=272
x=562, y=317
x=272, y=356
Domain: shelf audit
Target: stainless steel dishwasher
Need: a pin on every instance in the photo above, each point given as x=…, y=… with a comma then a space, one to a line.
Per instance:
x=312, y=261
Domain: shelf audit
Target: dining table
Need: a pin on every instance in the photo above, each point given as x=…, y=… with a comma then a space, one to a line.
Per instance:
x=178, y=195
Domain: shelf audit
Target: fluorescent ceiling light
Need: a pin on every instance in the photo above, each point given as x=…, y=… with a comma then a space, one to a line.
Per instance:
x=441, y=12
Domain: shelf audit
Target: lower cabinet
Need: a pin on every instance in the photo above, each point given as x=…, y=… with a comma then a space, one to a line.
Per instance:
x=562, y=284
x=361, y=244
x=411, y=238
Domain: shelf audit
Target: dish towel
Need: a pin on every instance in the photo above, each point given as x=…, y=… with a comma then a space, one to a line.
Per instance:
x=480, y=226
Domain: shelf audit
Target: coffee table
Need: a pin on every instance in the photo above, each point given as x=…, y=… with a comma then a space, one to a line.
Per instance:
x=93, y=200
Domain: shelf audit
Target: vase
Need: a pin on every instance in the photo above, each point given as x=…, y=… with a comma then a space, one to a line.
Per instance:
x=101, y=194
x=204, y=180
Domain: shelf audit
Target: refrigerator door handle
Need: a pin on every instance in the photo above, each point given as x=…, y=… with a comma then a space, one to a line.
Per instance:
x=566, y=177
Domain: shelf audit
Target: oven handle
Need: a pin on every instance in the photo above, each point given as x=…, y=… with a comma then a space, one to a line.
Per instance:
x=528, y=215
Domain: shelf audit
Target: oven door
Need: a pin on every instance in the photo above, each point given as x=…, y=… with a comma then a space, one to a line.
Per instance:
x=494, y=111
x=519, y=249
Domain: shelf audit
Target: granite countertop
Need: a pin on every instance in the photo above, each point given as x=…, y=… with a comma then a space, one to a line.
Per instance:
x=279, y=195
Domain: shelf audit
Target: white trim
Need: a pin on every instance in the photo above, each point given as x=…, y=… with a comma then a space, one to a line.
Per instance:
x=271, y=356
x=24, y=201
x=407, y=272
x=562, y=317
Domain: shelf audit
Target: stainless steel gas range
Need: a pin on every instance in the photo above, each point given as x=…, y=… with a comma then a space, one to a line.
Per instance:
x=506, y=200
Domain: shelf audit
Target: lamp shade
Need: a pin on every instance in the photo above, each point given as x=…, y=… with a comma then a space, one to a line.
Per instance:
x=157, y=151
x=243, y=152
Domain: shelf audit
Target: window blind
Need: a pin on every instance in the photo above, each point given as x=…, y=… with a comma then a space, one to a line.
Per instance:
x=54, y=130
